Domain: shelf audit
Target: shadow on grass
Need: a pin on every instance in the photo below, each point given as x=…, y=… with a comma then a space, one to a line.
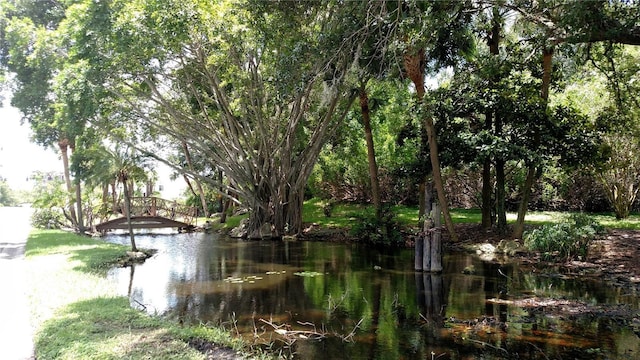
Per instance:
x=94, y=256
x=108, y=328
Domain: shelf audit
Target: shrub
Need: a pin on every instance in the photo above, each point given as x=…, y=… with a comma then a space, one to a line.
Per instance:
x=47, y=219
x=568, y=240
x=384, y=230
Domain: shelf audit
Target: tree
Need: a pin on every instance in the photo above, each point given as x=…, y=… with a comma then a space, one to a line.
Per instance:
x=7, y=197
x=371, y=154
x=199, y=191
x=574, y=22
x=120, y=164
x=33, y=51
x=619, y=174
x=444, y=22
x=256, y=101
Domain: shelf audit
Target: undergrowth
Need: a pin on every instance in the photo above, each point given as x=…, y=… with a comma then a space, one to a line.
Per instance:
x=566, y=240
x=377, y=230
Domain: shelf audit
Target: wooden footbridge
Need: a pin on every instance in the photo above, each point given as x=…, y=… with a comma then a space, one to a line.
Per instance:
x=152, y=213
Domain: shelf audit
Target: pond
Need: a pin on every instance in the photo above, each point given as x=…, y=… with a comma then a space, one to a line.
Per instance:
x=323, y=300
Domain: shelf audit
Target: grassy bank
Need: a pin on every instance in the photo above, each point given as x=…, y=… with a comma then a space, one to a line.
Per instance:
x=344, y=214
x=78, y=314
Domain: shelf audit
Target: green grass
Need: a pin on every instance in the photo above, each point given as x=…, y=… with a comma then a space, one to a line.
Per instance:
x=90, y=255
x=78, y=314
x=344, y=214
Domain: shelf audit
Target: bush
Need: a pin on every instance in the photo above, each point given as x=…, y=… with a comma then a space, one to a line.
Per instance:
x=47, y=219
x=377, y=231
x=569, y=240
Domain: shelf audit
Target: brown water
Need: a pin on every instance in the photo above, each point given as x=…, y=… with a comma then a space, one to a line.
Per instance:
x=338, y=301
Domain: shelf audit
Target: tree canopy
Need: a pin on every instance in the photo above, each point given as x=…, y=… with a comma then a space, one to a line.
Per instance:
x=248, y=97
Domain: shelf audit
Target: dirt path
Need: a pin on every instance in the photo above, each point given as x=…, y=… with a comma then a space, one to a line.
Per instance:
x=15, y=327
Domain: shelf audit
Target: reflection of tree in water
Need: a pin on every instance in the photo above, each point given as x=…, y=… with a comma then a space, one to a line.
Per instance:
x=404, y=314
x=431, y=297
x=243, y=303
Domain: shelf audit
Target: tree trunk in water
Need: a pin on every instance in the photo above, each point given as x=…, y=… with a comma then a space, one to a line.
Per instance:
x=127, y=207
x=414, y=66
x=418, y=253
x=547, y=62
x=282, y=209
x=371, y=155
x=203, y=199
x=436, y=242
x=64, y=147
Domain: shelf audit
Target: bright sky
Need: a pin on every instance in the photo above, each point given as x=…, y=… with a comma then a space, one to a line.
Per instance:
x=18, y=156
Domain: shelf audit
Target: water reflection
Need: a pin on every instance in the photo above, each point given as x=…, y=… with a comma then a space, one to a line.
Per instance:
x=371, y=297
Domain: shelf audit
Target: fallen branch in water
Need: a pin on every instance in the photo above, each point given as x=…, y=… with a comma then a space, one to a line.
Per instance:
x=296, y=334
x=290, y=335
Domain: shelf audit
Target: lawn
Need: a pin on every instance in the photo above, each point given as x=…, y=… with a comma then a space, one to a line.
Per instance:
x=344, y=214
x=78, y=314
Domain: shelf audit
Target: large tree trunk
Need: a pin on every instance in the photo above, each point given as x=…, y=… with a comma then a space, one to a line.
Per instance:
x=501, y=209
x=414, y=66
x=371, y=154
x=63, y=144
x=488, y=205
x=267, y=148
x=547, y=62
x=437, y=178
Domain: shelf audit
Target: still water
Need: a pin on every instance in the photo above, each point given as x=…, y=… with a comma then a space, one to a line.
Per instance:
x=317, y=300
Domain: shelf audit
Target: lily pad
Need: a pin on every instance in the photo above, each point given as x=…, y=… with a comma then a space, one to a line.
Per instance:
x=308, y=273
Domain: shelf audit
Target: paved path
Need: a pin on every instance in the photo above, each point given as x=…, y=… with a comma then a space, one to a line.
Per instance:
x=15, y=328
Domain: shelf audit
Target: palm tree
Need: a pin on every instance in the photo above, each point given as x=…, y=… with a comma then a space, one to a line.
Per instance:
x=105, y=166
x=129, y=168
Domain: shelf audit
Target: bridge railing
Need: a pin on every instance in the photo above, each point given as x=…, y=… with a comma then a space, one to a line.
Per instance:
x=154, y=206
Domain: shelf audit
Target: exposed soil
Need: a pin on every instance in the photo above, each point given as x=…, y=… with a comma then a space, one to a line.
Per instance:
x=614, y=256
x=213, y=351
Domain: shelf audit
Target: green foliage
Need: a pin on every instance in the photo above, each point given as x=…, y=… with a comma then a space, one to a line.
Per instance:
x=565, y=240
x=342, y=172
x=47, y=219
x=49, y=201
x=7, y=196
x=377, y=230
